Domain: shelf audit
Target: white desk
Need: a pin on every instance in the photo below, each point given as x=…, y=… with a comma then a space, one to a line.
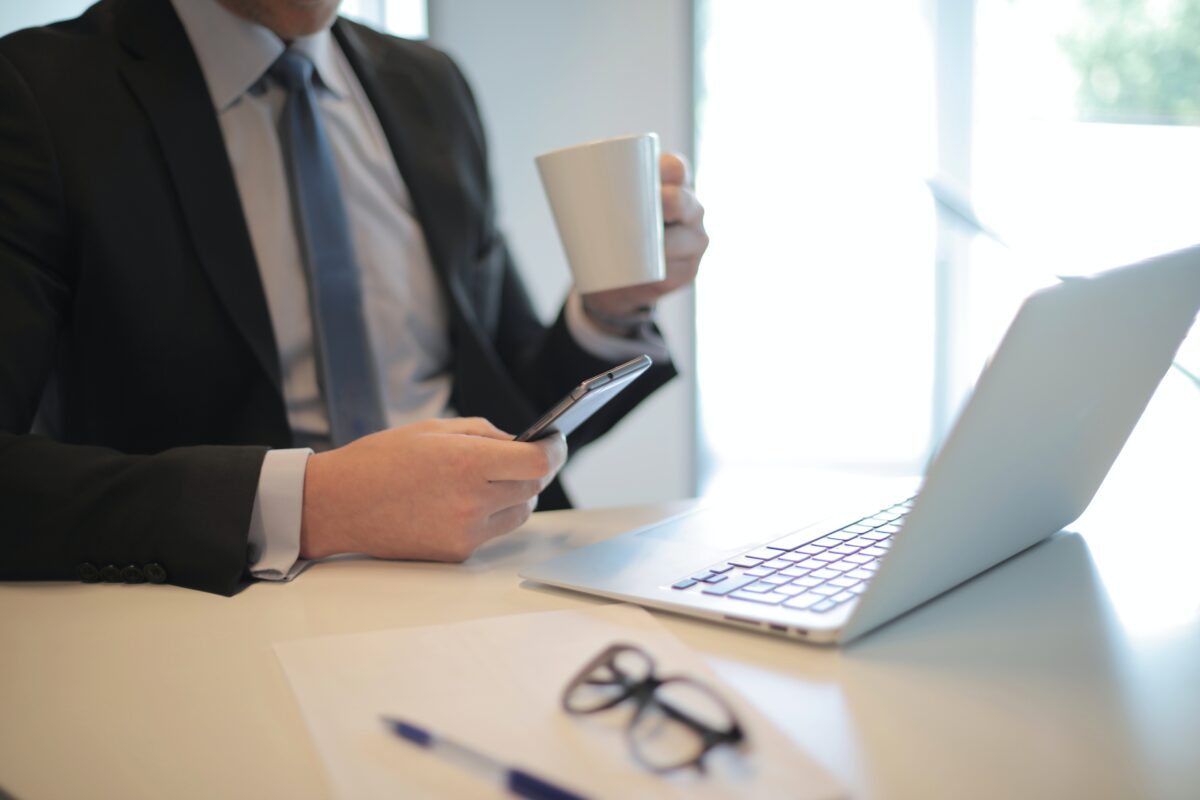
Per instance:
x=1072, y=670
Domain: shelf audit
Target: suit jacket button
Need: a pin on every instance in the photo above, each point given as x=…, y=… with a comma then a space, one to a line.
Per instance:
x=155, y=573
x=132, y=574
x=110, y=574
x=88, y=573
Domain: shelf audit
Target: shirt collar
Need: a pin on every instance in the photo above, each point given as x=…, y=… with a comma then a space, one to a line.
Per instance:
x=234, y=53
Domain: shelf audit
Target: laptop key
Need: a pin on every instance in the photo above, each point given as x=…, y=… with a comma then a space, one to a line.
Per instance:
x=734, y=583
x=759, y=572
x=797, y=538
x=720, y=569
x=843, y=549
x=859, y=559
x=793, y=557
x=807, y=582
x=843, y=535
x=861, y=574
x=858, y=588
x=790, y=589
x=771, y=599
x=715, y=578
x=826, y=590
x=823, y=574
x=686, y=583
x=742, y=561
x=873, y=551
x=844, y=582
x=757, y=586
x=699, y=576
x=843, y=597
x=777, y=579
x=795, y=572
x=762, y=554
x=812, y=563
x=824, y=605
x=776, y=563
x=802, y=601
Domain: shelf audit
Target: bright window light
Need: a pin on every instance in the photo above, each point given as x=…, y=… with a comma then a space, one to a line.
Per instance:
x=815, y=303
x=407, y=18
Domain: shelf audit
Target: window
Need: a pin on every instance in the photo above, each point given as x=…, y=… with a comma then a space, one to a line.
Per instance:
x=407, y=18
x=1086, y=150
x=841, y=317
x=815, y=304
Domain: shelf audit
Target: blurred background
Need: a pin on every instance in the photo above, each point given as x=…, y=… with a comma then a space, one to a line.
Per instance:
x=842, y=314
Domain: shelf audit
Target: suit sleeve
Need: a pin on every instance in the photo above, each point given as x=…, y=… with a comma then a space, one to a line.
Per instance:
x=67, y=510
x=546, y=362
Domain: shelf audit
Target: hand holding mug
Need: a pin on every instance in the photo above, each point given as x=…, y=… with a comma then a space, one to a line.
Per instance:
x=629, y=221
x=684, y=243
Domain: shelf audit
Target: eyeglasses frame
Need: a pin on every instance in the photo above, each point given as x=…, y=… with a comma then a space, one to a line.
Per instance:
x=644, y=694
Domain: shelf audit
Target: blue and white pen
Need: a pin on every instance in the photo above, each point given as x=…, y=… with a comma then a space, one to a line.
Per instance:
x=517, y=781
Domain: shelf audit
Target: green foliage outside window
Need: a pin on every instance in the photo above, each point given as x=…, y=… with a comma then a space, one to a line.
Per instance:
x=1138, y=61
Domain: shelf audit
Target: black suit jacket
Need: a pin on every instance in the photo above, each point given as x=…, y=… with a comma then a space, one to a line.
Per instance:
x=135, y=340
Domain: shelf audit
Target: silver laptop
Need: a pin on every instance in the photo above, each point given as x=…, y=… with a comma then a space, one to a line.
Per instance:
x=1045, y=422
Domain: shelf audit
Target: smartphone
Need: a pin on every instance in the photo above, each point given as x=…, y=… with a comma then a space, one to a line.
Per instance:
x=586, y=399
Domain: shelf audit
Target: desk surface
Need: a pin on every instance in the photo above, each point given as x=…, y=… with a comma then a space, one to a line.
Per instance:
x=1072, y=670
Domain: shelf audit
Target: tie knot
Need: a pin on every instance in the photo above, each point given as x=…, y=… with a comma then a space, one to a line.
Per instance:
x=293, y=70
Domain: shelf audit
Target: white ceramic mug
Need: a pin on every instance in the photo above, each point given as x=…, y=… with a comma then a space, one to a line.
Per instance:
x=606, y=204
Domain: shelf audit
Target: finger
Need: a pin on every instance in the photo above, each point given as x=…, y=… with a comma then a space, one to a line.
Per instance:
x=645, y=294
x=507, y=460
x=471, y=426
x=508, y=519
x=556, y=454
x=673, y=169
x=680, y=206
x=683, y=248
x=503, y=494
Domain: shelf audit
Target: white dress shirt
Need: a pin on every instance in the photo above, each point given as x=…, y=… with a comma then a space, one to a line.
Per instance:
x=405, y=312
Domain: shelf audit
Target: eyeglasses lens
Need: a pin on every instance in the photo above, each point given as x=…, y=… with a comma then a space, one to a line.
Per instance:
x=670, y=731
x=609, y=681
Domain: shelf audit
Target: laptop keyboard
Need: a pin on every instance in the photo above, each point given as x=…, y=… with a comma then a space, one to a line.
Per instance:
x=802, y=571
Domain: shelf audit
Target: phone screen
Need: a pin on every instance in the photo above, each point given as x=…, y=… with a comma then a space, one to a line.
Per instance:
x=586, y=399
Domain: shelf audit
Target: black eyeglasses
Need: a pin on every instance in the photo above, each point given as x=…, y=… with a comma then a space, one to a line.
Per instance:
x=676, y=720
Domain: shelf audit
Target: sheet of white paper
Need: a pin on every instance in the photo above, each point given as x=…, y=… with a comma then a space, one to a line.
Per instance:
x=494, y=684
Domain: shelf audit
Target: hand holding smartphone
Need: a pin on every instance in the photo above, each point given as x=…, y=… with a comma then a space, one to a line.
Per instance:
x=586, y=399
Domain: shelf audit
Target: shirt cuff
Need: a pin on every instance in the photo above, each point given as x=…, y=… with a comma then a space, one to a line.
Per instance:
x=604, y=345
x=274, y=551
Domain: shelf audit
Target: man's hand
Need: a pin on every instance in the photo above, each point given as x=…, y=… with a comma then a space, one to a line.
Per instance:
x=434, y=490
x=685, y=242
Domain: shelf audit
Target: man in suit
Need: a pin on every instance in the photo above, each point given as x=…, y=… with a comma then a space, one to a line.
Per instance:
x=233, y=232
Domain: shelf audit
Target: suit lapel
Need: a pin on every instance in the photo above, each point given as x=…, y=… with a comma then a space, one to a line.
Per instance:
x=430, y=172
x=167, y=81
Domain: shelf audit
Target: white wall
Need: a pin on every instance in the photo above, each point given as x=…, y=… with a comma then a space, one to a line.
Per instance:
x=17, y=14
x=550, y=73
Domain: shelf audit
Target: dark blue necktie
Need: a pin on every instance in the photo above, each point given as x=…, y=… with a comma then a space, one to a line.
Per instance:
x=343, y=351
